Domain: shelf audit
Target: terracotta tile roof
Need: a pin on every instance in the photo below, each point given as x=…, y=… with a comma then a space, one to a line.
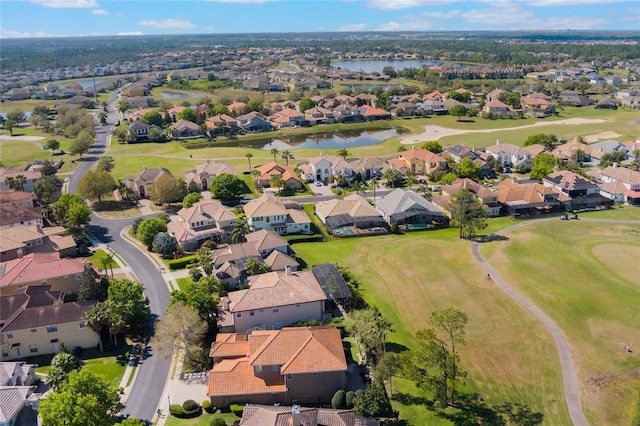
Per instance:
x=421, y=154
x=266, y=205
x=10, y=214
x=266, y=240
x=270, y=415
x=267, y=171
x=614, y=188
x=206, y=210
x=236, y=377
x=531, y=193
x=37, y=267
x=622, y=174
x=6, y=172
x=353, y=204
x=10, y=195
x=278, y=261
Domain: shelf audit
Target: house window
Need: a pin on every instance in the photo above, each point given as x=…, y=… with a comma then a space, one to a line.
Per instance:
x=9, y=335
x=297, y=305
x=28, y=243
x=5, y=353
x=33, y=330
x=275, y=310
x=33, y=349
x=261, y=310
x=289, y=376
x=78, y=277
x=239, y=315
x=66, y=277
x=39, y=241
x=314, y=374
x=52, y=329
x=82, y=324
x=252, y=313
x=275, y=368
x=257, y=368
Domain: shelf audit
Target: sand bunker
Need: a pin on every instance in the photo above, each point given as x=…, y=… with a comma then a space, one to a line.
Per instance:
x=434, y=133
x=600, y=136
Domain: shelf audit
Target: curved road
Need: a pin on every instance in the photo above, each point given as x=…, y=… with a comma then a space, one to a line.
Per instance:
x=569, y=377
x=152, y=373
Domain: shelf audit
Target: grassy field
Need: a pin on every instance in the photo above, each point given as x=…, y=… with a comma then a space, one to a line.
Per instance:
x=435, y=270
x=203, y=420
x=585, y=276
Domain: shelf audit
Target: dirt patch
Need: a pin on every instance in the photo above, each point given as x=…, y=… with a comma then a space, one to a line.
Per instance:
x=617, y=258
x=600, y=136
x=434, y=133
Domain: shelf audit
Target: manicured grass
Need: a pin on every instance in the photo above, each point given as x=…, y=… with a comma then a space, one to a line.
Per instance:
x=409, y=276
x=96, y=259
x=618, y=211
x=585, y=276
x=203, y=420
x=182, y=282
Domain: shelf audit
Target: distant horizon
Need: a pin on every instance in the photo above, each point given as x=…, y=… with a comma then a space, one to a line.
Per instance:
x=110, y=18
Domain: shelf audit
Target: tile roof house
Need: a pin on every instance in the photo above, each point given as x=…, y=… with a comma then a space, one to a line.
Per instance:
x=11, y=216
x=271, y=169
x=139, y=131
x=487, y=196
x=142, y=183
x=34, y=321
x=496, y=106
x=30, y=177
x=276, y=299
x=269, y=212
x=278, y=415
x=566, y=150
x=184, y=129
x=18, y=395
x=419, y=161
x=606, y=147
x=305, y=364
x=577, y=192
x=519, y=200
x=410, y=208
x=621, y=184
x=205, y=220
x=324, y=167
x=204, y=174
x=353, y=212
x=368, y=167
x=510, y=155
x=42, y=268
x=21, y=199
x=17, y=241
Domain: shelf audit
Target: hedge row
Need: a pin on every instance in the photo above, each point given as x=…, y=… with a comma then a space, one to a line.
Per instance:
x=292, y=239
x=178, y=411
x=183, y=262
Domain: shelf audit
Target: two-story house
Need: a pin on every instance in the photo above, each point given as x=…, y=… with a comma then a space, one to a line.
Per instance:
x=577, y=192
x=266, y=172
x=205, y=220
x=283, y=217
x=621, y=185
x=16, y=241
x=324, y=168
x=487, y=196
x=305, y=364
x=530, y=199
x=141, y=184
x=402, y=207
x=18, y=396
x=30, y=178
x=205, y=173
x=510, y=155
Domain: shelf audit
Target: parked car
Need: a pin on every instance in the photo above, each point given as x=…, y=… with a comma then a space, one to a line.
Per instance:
x=318, y=183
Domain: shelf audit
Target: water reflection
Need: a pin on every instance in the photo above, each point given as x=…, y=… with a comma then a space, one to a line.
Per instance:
x=339, y=139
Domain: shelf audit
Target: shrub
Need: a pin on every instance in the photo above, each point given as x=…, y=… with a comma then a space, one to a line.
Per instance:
x=179, y=411
x=339, y=400
x=349, y=399
x=189, y=405
x=237, y=409
x=219, y=421
x=206, y=406
x=181, y=263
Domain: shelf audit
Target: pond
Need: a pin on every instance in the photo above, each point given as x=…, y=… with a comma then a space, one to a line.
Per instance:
x=341, y=139
x=378, y=66
x=180, y=95
x=85, y=84
x=367, y=86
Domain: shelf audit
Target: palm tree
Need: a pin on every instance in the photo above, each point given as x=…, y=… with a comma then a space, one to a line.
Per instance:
x=16, y=183
x=106, y=261
x=373, y=183
x=410, y=177
x=239, y=229
x=285, y=155
x=390, y=176
x=123, y=106
x=274, y=152
x=249, y=155
x=343, y=153
x=277, y=182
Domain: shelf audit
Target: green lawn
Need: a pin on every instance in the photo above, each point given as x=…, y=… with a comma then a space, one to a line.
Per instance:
x=203, y=420
x=434, y=270
x=585, y=276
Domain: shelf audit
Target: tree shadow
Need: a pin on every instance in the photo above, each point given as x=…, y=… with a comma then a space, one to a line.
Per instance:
x=409, y=399
x=490, y=238
x=472, y=410
x=395, y=348
x=100, y=232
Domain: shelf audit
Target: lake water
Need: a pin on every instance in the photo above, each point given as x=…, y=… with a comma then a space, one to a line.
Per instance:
x=341, y=139
x=179, y=95
x=378, y=66
x=85, y=84
x=367, y=86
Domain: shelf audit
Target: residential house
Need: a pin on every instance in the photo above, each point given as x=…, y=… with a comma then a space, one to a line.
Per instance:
x=35, y=322
x=141, y=184
x=404, y=207
x=302, y=364
x=11, y=216
x=434, y=106
x=576, y=192
x=139, y=131
x=324, y=168
x=494, y=95
x=30, y=178
x=353, y=214
x=460, y=151
x=207, y=220
x=17, y=241
x=254, y=122
x=510, y=155
x=205, y=173
x=419, y=161
x=621, y=184
x=184, y=129
x=567, y=151
x=538, y=105
x=487, y=196
x=20, y=199
x=496, y=107
x=139, y=113
x=222, y=124
x=272, y=213
x=280, y=298
x=277, y=415
x=530, y=199
x=172, y=113
x=623, y=93
x=606, y=147
x=18, y=394
x=288, y=117
x=632, y=102
x=572, y=98
x=272, y=169
x=368, y=167
x=607, y=104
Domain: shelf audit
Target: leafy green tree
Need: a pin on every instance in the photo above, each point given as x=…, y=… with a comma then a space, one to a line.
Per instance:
x=459, y=96
x=449, y=323
x=180, y=328
x=306, y=103
x=343, y=153
x=45, y=188
x=542, y=166
x=92, y=287
x=339, y=400
x=221, y=109
x=72, y=212
x=190, y=199
x=82, y=143
x=226, y=186
x=9, y=125
x=16, y=183
x=369, y=328
x=123, y=106
x=255, y=105
x=149, y=228
x=386, y=368
x=373, y=402
x=106, y=261
x=127, y=304
x=511, y=99
x=188, y=114
x=239, y=229
x=164, y=244
x=51, y=144
x=458, y=111
x=410, y=177
x=152, y=117
x=17, y=116
x=205, y=260
x=200, y=295
x=98, y=318
x=609, y=158
x=105, y=163
x=433, y=146
x=133, y=422
x=467, y=213
x=85, y=398
x=63, y=363
x=49, y=168
x=579, y=156
x=391, y=176
x=254, y=266
x=448, y=178
x=168, y=189
x=548, y=141
x=466, y=168
x=95, y=184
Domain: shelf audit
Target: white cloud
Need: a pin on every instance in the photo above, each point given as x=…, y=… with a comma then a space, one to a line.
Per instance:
x=6, y=33
x=353, y=27
x=242, y=1
x=167, y=23
x=411, y=23
x=67, y=4
x=130, y=33
x=99, y=12
x=547, y=3
x=405, y=4
x=441, y=15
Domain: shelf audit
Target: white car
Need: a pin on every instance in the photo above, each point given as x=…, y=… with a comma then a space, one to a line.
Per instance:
x=318, y=183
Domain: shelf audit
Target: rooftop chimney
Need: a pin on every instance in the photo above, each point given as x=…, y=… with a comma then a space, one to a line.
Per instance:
x=200, y=208
x=287, y=269
x=295, y=415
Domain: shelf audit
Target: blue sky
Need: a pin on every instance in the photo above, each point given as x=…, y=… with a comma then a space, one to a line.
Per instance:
x=56, y=18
